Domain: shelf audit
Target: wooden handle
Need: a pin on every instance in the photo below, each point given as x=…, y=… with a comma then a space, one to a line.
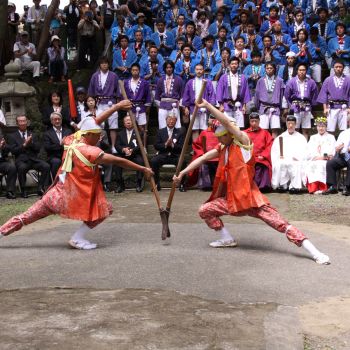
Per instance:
x=281, y=146
x=185, y=145
x=140, y=143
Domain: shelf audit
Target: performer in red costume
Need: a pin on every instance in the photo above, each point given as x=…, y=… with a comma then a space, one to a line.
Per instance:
x=235, y=192
x=77, y=192
x=262, y=143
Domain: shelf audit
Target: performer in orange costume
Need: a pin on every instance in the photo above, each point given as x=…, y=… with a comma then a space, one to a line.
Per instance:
x=235, y=192
x=77, y=192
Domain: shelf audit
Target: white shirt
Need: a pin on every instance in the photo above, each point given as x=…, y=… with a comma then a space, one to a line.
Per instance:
x=344, y=137
x=58, y=133
x=170, y=131
x=197, y=86
x=234, y=85
x=2, y=117
x=133, y=84
x=129, y=134
x=301, y=85
x=103, y=77
x=25, y=134
x=18, y=46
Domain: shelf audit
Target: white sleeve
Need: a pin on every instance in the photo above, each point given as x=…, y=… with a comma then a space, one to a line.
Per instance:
x=2, y=117
x=247, y=154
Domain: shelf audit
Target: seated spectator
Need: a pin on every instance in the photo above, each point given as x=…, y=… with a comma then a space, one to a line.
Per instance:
x=202, y=25
x=299, y=23
x=326, y=27
x=242, y=26
x=145, y=63
x=288, y=71
x=339, y=48
x=25, y=54
x=267, y=26
x=90, y=107
x=119, y=30
x=184, y=67
x=81, y=95
x=218, y=23
x=222, y=41
x=87, y=28
x=25, y=146
x=204, y=176
x=268, y=53
x=320, y=149
x=254, y=71
x=6, y=167
x=140, y=25
x=163, y=39
x=262, y=142
x=53, y=143
x=169, y=143
x=207, y=56
x=287, y=158
x=176, y=54
x=191, y=37
x=280, y=41
x=139, y=46
x=252, y=40
x=222, y=67
x=340, y=160
x=320, y=46
x=127, y=147
x=55, y=102
x=242, y=53
x=57, y=63
x=202, y=6
x=180, y=29
x=123, y=58
x=172, y=14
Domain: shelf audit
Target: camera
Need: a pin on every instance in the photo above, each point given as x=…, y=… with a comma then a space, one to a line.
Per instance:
x=89, y=15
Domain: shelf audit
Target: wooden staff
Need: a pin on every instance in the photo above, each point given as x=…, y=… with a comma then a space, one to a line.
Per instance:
x=162, y=212
x=184, y=148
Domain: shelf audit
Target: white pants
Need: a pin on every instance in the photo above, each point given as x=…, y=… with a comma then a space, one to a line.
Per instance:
x=303, y=119
x=201, y=122
x=112, y=120
x=346, y=71
x=316, y=72
x=237, y=115
x=288, y=171
x=163, y=113
x=267, y=121
x=141, y=118
x=33, y=66
x=337, y=116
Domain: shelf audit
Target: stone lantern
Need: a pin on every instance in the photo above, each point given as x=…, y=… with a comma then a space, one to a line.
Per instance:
x=13, y=94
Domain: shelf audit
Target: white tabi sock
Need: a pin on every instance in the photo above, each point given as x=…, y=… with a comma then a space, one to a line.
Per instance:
x=310, y=248
x=79, y=235
x=1, y=235
x=225, y=235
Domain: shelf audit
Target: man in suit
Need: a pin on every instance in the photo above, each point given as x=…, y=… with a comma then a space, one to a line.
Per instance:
x=25, y=146
x=169, y=143
x=127, y=147
x=53, y=142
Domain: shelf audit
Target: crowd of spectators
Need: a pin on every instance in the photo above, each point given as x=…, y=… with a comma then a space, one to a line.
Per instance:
x=268, y=56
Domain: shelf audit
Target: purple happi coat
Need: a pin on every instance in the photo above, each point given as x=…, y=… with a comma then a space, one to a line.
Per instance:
x=336, y=94
x=142, y=96
x=174, y=93
x=292, y=93
x=189, y=95
x=110, y=90
x=223, y=92
x=269, y=96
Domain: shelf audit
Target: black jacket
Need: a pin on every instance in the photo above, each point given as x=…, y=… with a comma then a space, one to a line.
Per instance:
x=15, y=143
x=46, y=113
x=177, y=138
x=122, y=142
x=52, y=145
